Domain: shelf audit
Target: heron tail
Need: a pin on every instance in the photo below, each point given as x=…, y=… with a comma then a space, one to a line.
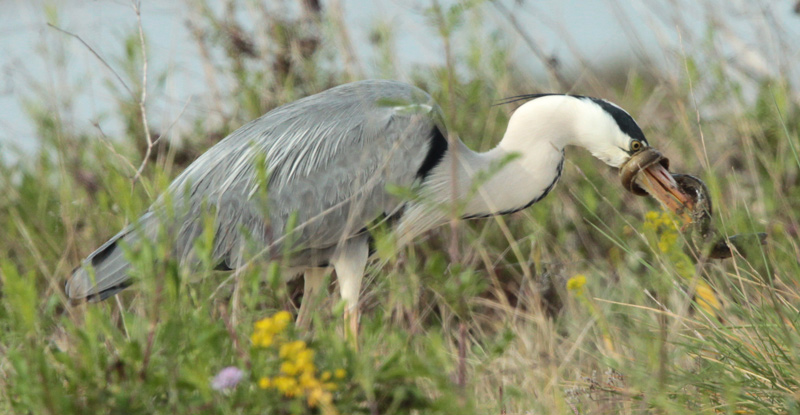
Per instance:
x=104, y=272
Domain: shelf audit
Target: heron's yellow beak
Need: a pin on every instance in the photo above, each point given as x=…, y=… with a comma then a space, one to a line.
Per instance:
x=647, y=173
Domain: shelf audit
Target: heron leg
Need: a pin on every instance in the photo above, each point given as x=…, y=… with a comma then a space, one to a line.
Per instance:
x=313, y=283
x=349, y=262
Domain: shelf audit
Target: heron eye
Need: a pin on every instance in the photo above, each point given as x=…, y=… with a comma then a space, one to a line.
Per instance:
x=636, y=145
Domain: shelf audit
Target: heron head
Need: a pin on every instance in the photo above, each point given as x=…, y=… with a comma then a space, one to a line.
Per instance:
x=617, y=140
x=604, y=129
x=608, y=132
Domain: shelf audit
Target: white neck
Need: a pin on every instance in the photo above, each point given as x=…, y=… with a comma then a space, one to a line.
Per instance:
x=500, y=180
x=485, y=184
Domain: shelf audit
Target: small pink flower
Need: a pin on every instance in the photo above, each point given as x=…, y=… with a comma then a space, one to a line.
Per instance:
x=227, y=378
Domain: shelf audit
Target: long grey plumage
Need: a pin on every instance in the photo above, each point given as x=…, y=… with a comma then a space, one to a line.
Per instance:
x=329, y=158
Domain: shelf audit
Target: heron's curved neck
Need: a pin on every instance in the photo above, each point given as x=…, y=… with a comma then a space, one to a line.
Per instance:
x=521, y=170
x=476, y=184
x=501, y=180
x=494, y=183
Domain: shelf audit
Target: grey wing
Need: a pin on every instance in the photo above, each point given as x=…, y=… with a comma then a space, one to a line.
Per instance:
x=329, y=158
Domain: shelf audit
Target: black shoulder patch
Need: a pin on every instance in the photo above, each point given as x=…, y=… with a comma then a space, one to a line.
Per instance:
x=438, y=146
x=623, y=119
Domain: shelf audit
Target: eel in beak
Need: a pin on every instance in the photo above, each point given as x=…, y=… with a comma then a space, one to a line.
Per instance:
x=646, y=172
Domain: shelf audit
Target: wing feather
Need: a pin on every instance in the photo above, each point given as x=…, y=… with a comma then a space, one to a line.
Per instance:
x=329, y=158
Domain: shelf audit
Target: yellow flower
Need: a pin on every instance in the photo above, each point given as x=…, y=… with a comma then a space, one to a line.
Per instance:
x=264, y=324
x=667, y=241
x=288, y=350
x=706, y=299
x=314, y=397
x=281, y=320
x=304, y=358
x=266, y=329
x=264, y=383
x=285, y=384
x=261, y=339
x=289, y=368
x=319, y=396
x=576, y=283
x=298, y=374
x=654, y=221
x=651, y=220
x=308, y=381
x=609, y=344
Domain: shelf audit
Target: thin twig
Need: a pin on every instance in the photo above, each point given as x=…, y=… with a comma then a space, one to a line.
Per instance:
x=143, y=99
x=110, y=146
x=694, y=100
x=97, y=55
x=462, y=355
x=208, y=67
x=175, y=121
x=231, y=328
x=547, y=61
x=148, y=351
x=336, y=12
x=452, y=141
x=122, y=317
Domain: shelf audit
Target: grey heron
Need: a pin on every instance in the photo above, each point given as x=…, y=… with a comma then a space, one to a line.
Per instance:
x=329, y=158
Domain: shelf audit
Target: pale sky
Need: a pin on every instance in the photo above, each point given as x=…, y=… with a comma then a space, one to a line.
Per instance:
x=599, y=31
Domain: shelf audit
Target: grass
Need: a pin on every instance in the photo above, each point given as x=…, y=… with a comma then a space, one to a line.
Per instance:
x=492, y=329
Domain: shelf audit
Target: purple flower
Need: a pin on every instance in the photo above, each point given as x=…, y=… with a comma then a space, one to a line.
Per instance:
x=227, y=378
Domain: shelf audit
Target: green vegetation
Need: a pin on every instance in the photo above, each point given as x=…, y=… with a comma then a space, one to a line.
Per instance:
x=484, y=323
